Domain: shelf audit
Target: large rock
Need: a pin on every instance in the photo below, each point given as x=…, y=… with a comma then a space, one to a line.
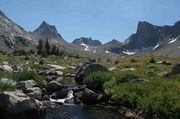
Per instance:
x=5, y=63
x=60, y=94
x=17, y=105
x=51, y=72
x=6, y=68
x=164, y=62
x=53, y=86
x=89, y=97
x=176, y=69
x=23, y=85
x=73, y=66
x=54, y=72
x=34, y=92
x=113, y=69
x=57, y=67
x=59, y=73
x=87, y=69
x=8, y=81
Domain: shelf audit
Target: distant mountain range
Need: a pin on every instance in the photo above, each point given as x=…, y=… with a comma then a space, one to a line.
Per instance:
x=164, y=40
x=150, y=39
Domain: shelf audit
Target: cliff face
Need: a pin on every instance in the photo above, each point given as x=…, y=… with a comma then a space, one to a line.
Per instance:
x=150, y=39
x=12, y=36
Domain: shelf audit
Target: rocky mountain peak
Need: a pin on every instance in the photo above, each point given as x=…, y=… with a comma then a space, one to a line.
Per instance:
x=45, y=25
x=144, y=27
x=46, y=31
x=88, y=41
x=114, y=41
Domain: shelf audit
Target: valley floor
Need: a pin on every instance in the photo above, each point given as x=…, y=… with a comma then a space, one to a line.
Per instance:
x=147, y=86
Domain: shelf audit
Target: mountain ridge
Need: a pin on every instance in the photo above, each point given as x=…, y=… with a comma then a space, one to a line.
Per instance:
x=148, y=38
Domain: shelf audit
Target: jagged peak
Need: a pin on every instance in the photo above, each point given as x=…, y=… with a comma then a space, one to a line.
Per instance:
x=114, y=40
x=87, y=40
x=47, y=31
x=44, y=24
x=142, y=25
x=143, y=22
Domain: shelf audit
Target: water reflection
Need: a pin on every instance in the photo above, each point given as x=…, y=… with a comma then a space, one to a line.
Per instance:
x=80, y=112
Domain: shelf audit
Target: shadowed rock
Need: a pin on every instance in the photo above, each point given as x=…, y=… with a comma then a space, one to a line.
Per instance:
x=85, y=70
x=17, y=105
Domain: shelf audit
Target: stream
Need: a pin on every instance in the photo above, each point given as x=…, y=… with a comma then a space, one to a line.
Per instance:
x=72, y=111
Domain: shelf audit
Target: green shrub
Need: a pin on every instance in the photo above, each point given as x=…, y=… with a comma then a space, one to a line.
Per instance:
x=132, y=60
x=40, y=66
x=126, y=76
x=158, y=99
x=7, y=87
x=96, y=80
x=5, y=74
x=69, y=70
x=116, y=61
x=152, y=60
x=27, y=75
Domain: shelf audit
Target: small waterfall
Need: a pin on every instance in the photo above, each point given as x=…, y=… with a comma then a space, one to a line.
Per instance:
x=66, y=101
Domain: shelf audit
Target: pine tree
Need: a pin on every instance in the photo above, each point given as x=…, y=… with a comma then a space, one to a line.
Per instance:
x=47, y=47
x=57, y=51
x=40, y=47
x=53, y=50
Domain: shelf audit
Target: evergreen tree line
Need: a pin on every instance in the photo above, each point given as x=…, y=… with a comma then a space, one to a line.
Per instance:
x=44, y=48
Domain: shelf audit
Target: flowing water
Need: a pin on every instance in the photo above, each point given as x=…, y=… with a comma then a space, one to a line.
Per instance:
x=80, y=112
x=72, y=111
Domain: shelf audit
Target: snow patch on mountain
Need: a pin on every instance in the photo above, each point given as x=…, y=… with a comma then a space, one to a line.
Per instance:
x=155, y=47
x=172, y=40
x=94, y=50
x=86, y=47
x=129, y=53
x=108, y=52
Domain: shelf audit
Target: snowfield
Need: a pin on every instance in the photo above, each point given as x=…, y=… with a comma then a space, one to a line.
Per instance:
x=129, y=53
x=86, y=47
x=172, y=40
x=155, y=47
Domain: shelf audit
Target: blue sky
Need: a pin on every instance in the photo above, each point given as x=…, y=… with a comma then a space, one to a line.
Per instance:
x=103, y=20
